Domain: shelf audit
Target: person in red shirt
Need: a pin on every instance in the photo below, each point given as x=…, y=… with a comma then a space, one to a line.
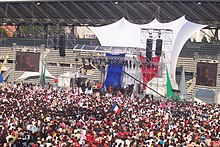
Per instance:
x=99, y=85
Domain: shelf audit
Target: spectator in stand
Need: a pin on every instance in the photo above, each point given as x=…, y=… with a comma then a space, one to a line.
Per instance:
x=98, y=85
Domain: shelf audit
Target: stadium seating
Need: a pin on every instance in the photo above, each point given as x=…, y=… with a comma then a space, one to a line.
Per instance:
x=58, y=65
x=70, y=43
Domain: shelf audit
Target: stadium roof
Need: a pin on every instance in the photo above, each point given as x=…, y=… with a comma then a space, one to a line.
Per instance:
x=101, y=12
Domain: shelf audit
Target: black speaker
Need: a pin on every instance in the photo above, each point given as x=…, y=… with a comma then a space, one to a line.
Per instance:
x=149, y=50
x=62, y=45
x=159, y=43
x=55, y=42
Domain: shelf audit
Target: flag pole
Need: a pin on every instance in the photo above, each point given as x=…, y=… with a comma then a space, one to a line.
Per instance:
x=5, y=59
x=13, y=48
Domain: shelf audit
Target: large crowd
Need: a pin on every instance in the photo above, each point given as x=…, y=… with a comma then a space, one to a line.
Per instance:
x=34, y=117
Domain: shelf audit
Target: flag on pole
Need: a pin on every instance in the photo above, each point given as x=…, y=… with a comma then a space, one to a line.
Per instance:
x=7, y=75
x=4, y=61
x=116, y=109
x=43, y=76
x=182, y=86
x=170, y=92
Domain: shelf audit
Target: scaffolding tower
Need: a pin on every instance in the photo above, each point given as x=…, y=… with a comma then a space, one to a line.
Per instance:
x=166, y=35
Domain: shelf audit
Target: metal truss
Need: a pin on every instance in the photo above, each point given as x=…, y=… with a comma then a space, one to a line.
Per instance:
x=102, y=12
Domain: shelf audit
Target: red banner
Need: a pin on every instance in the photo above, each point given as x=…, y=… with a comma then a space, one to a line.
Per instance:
x=149, y=70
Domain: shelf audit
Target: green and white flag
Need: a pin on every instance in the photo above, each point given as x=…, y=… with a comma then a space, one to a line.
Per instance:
x=170, y=92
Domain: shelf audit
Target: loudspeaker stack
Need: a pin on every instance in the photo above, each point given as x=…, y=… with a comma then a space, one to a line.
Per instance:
x=62, y=45
x=149, y=50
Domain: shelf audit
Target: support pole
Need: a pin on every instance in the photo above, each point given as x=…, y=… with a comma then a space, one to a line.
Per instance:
x=144, y=84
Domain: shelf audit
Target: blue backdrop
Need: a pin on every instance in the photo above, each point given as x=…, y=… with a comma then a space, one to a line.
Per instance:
x=114, y=72
x=1, y=78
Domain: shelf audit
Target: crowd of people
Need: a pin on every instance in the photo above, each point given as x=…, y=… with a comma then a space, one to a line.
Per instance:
x=34, y=117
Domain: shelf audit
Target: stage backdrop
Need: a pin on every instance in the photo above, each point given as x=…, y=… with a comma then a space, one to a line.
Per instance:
x=27, y=61
x=126, y=34
x=114, y=73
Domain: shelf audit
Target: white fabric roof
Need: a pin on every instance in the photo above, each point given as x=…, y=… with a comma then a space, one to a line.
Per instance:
x=126, y=34
x=28, y=74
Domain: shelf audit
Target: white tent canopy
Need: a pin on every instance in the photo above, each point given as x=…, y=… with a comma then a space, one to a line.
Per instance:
x=64, y=80
x=68, y=75
x=73, y=75
x=126, y=34
x=28, y=74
